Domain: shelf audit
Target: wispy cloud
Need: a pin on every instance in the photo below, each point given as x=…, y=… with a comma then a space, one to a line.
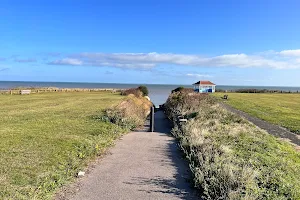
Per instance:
x=294, y=53
x=109, y=72
x=287, y=59
x=199, y=75
x=2, y=59
x=66, y=61
x=4, y=69
x=82, y=60
x=26, y=60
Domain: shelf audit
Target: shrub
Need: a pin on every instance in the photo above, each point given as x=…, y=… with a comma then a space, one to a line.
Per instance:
x=135, y=91
x=249, y=90
x=256, y=91
x=138, y=92
x=130, y=113
x=144, y=90
x=178, y=89
x=229, y=157
x=183, y=90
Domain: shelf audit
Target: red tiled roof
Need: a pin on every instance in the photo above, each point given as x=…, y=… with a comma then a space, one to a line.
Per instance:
x=204, y=83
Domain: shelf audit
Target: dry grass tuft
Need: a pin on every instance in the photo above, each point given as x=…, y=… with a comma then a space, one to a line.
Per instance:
x=230, y=157
x=130, y=113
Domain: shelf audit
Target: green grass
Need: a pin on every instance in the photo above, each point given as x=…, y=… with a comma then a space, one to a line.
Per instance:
x=279, y=109
x=47, y=138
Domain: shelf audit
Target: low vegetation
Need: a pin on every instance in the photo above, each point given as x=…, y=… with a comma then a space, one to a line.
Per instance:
x=47, y=138
x=138, y=92
x=16, y=91
x=230, y=157
x=183, y=89
x=256, y=91
x=130, y=113
x=279, y=109
x=144, y=90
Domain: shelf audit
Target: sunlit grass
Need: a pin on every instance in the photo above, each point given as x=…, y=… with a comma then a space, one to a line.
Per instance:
x=46, y=138
x=279, y=109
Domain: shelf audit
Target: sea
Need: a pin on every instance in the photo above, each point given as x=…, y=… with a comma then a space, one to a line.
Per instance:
x=158, y=93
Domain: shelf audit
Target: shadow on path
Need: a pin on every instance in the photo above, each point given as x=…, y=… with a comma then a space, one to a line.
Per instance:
x=142, y=165
x=180, y=184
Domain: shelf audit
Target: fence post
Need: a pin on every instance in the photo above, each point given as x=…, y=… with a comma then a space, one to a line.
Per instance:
x=152, y=119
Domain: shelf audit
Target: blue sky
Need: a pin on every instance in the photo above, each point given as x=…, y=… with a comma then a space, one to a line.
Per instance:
x=159, y=41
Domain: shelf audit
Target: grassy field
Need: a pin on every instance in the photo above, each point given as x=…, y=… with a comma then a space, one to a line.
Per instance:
x=280, y=109
x=47, y=138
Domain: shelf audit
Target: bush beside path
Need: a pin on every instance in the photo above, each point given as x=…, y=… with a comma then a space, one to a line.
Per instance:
x=230, y=157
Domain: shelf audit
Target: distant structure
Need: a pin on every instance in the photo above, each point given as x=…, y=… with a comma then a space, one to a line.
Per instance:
x=25, y=92
x=204, y=87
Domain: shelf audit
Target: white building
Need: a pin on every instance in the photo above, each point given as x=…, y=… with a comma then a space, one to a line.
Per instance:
x=204, y=87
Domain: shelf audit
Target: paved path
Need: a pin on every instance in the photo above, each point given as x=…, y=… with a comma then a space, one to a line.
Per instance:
x=142, y=165
x=270, y=128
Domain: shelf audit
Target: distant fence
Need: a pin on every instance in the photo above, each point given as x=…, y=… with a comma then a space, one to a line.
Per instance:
x=25, y=92
x=44, y=90
x=255, y=91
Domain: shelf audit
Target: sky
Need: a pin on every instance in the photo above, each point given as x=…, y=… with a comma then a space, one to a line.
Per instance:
x=229, y=42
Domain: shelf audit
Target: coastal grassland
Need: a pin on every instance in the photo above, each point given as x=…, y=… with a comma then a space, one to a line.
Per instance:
x=47, y=138
x=279, y=109
x=230, y=157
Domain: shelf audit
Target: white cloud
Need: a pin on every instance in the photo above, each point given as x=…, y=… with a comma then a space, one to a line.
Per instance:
x=269, y=59
x=295, y=52
x=100, y=62
x=199, y=75
x=66, y=61
x=122, y=65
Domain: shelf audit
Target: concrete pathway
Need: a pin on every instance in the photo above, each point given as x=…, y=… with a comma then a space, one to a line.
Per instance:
x=142, y=165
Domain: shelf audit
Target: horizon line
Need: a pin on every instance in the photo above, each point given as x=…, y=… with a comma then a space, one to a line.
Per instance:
x=145, y=83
